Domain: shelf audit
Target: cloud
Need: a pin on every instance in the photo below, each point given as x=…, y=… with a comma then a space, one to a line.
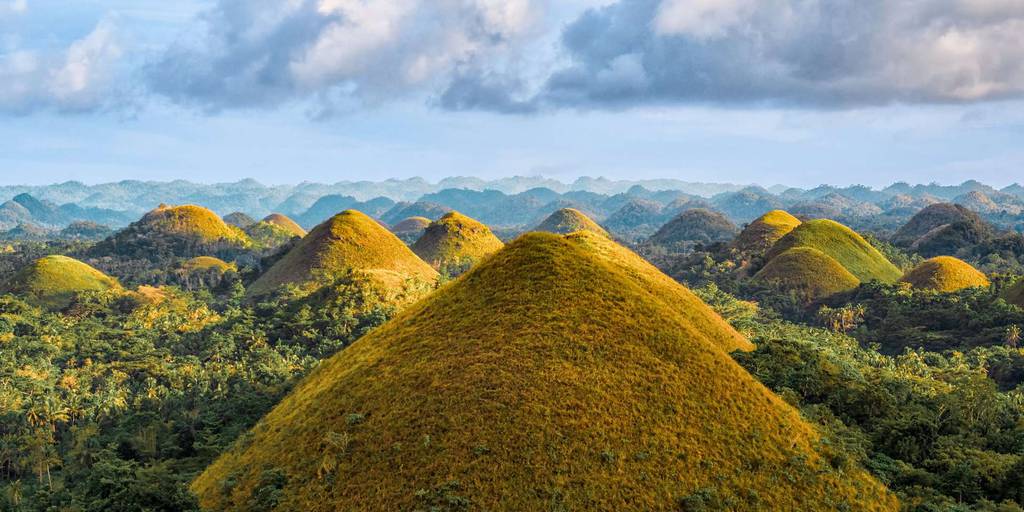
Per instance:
x=791, y=53
x=80, y=77
x=263, y=53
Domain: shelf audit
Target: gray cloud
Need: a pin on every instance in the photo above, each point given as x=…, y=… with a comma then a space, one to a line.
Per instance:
x=257, y=53
x=804, y=53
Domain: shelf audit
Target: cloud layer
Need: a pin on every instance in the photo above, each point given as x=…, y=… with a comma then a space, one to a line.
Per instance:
x=255, y=53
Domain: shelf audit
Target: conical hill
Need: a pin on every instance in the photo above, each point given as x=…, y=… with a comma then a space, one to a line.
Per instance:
x=945, y=274
x=53, y=281
x=456, y=240
x=842, y=244
x=183, y=231
x=767, y=229
x=411, y=229
x=697, y=225
x=569, y=220
x=348, y=241
x=548, y=377
x=807, y=272
x=275, y=230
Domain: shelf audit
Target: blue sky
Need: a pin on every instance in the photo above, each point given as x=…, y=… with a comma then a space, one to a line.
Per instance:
x=326, y=90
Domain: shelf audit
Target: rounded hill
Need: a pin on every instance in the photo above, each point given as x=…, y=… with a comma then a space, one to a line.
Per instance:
x=411, y=229
x=456, y=241
x=239, y=220
x=53, y=281
x=548, y=377
x=945, y=274
x=183, y=231
x=842, y=244
x=698, y=225
x=348, y=241
x=807, y=272
x=933, y=218
x=764, y=231
x=569, y=220
x=207, y=264
x=274, y=230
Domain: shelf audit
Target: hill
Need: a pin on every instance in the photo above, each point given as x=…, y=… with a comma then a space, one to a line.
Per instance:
x=763, y=232
x=53, y=281
x=548, y=377
x=934, y=217
x=698, y=226
x=207, y=264
x=843, y=245
x=411, y=229
x=274, y=230
x=807, y=272
x=349, y=240
x=239, y=220
x=183, y=231
x=425, y=209
x=456, y=241
x=569, y=220
x=945, y=274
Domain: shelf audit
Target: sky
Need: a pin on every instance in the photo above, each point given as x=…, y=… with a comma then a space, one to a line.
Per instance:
x=797, y=92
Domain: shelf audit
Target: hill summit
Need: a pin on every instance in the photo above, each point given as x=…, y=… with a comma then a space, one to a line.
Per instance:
x=698, y=225
x=184, y=231
x=945, y=274
x=764, y=231
x=350, y=240
x=53, y=281
x=843, y=245
x=553, y=375
x=569, y=220
x=274, y=230
x=456, y=240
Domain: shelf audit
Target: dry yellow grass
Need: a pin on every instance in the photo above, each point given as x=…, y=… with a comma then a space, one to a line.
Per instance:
x=808, y=272
x=569, y=220
x=945, y=274
x=205, y=263
x=285, y=223
x=456, y=239
x=769, y=228
x=842, y=244
x=547, y=378
x=190, y=221
x=349, y=240
x=53, y=281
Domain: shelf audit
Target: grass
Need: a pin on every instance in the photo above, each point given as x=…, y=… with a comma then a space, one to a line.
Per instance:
x=456, y=239
x=569, y=220
x=945, y=274
x=842, y=244
x=807, y=272
x=763, y=232
x=53, y=281
x=285, y=223
x=191, y=221
x=549, y=377
x=204, y=263
x=349, y=240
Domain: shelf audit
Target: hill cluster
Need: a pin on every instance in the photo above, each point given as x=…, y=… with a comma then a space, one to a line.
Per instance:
x=638, y=397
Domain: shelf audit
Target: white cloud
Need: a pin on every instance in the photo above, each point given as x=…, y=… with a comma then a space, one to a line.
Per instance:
x=77, y=78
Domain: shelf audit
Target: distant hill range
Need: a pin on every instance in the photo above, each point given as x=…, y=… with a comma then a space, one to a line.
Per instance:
x=630, y=210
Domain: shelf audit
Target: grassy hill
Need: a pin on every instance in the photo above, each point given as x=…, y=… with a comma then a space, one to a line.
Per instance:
x=411, y=229
x=274, y=230
x=547, y=378
x=239, y=220
x=945, y=274
x=933, y=219
x=842, y=244
x=53, y=281
x=569, y=220
x=207, y=263
x=698, y=225
x=183, y=231
x=808, y=272
x=764, y=231
x=456, y=240
x=349, y=240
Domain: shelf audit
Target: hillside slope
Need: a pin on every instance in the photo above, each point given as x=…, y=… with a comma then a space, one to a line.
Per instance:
x=843, y=245
x=945, y=274
x=569, y=220
x=807, y=272
x=764, y=231
x=456, y=240
x=545, y=378
x=53, y=281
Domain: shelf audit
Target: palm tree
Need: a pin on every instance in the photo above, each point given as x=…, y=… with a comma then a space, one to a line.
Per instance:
x=1012, y=336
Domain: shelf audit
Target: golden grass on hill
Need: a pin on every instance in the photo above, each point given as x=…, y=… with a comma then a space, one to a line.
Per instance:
x=842, y=244
x=191, y=221
x=456, y=239
x=808, y=272
x=945, y=274
x=411, y=224
x=569, y=220
x=547, y=378
x=285, y=223
x=204, y=263
x=53, y=281
x=349, y=240
x=767, y=229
